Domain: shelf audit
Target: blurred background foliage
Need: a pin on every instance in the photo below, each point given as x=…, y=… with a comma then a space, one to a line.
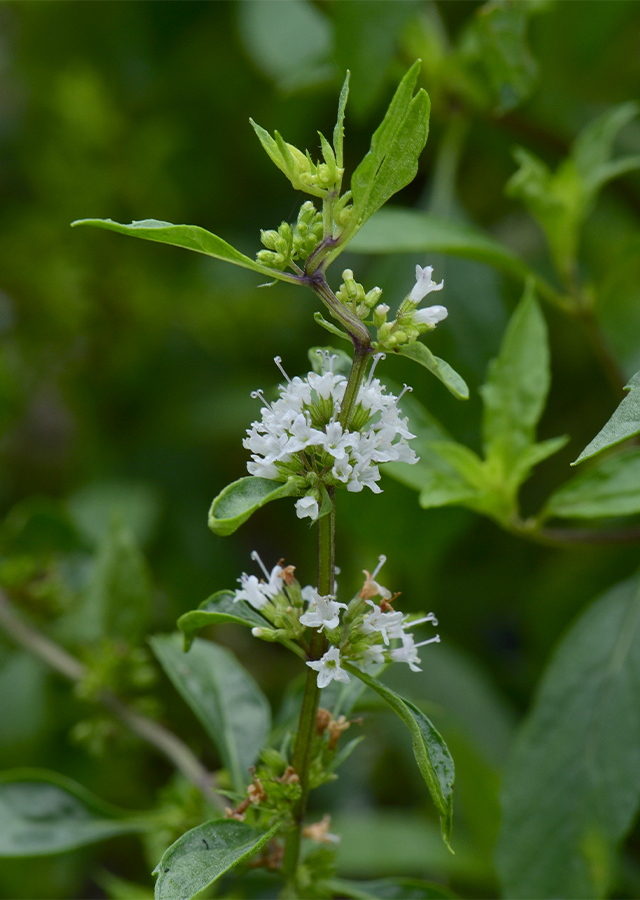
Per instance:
x=126, y=369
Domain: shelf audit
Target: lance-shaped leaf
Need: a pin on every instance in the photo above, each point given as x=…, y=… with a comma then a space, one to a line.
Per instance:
x=202, y=855
x=421, y=354
x=191, y=237
x=572, y=787
x=239, y=500
x=392, y=161
x=611, y=488
x=219, y=608
x=431, y=753
x=225, y=698
x=623, y=424
x=42, y=812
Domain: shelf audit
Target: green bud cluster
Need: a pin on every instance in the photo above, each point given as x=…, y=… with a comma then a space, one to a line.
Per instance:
x=402, y=330
x=289, y=243
x=351, y=293
x=320, y=179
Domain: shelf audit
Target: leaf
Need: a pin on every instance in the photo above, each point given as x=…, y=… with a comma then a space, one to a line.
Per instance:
x=191, y=237
x=432, y=756
x=42, y=812
x=390, y=889
x=572, y=788
x=409, y=231
x=392, y=161
x=329, y=326
x=219, y=608
x=517, y=384
x=421, y=354
x=611, y=488
x=203, y=854
x=623, y=424
x=225, y=698
x=117, y=602
x=239, y=500
x=593, y=147
x=338, y=131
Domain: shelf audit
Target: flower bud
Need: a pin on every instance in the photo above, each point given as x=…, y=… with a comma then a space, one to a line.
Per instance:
x=380, y=315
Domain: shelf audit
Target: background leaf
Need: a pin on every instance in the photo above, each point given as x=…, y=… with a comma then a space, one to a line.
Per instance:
x=572, y=787
x=611, y=488
x=42, y=812
x=624, y=423
x=225, y=698
x=202, y=855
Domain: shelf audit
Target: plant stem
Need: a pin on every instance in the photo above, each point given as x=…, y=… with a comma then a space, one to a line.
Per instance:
x=63, y=662
x=308, y=713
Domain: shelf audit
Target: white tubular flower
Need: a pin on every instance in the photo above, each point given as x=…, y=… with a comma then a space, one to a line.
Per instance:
x=307, y=506
x=329, y=669
x=373, y=656
x=324, y=612
x=424, y=285
x=252, y=590
x=409, y=651
x=388, y=624
x=430, y=315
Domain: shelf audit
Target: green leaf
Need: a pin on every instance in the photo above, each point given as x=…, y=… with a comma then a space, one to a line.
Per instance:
x=117, y=601
x=572, y=788
x=42, y=812
x=409, y=231
x=202, y=855
x=623, y=424
x=517, y=384
x=329, y=326
x=421, y=354
x=338, y=131
x=432, y=756
x=392, y=161
x=390, y=889
x=191, y=237
x=611, y=488
x=239, y=500
x=593, y=147
x=225, y=698
x=219, y=608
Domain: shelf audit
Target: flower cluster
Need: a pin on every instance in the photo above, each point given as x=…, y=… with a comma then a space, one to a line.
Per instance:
x=369, y=633
x=410, y=322
x=300, y=435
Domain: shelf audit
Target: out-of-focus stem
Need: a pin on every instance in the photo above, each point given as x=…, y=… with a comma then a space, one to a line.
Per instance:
x=63, y=662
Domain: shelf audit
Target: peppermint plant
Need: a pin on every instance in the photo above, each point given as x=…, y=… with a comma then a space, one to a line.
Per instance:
x=328, y=430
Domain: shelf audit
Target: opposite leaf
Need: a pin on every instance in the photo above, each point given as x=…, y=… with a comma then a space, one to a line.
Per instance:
x=202, y=855
x=191, y=237
x=611, y=488
x=42, y=812
x=239, y=500
x=421, y=354
x=433, y=757
x=221, y=607
x=623, y=424
x=225, y=698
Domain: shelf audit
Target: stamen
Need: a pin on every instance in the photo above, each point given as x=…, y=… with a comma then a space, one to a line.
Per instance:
x=406, y=388
x=255, y=557
x=278, y=361
x=433, y=640
x=376, y=359
x=258, y=395
x=429, y=618
x=381, y=561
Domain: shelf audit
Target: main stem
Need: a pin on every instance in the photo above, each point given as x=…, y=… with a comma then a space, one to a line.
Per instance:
x=308, y=713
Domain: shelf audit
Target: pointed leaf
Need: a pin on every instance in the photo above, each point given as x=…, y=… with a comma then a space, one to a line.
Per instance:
x=572, y=787
x=421, y=354
x=42, y=812
x=517, y=384
x=239, y=500
x=225, y=698
x=219, y=608
x=392, y=161
x=623, y=424
x=432, y=755
x=202, y=855
x=593, y=147
x=191, y=237
x=338, y=131
x=611, y=488
x=329, y=326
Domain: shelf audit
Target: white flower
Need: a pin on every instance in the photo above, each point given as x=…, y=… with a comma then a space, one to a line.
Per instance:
x=424, y=284
x=324, y=612
x=389, y=624
x=373, y=656
x=252, y=590
x=307, y=506
x=430, y=315
x=328, y=668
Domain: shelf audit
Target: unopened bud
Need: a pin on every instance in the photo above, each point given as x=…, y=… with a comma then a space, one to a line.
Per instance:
x=380, y=315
